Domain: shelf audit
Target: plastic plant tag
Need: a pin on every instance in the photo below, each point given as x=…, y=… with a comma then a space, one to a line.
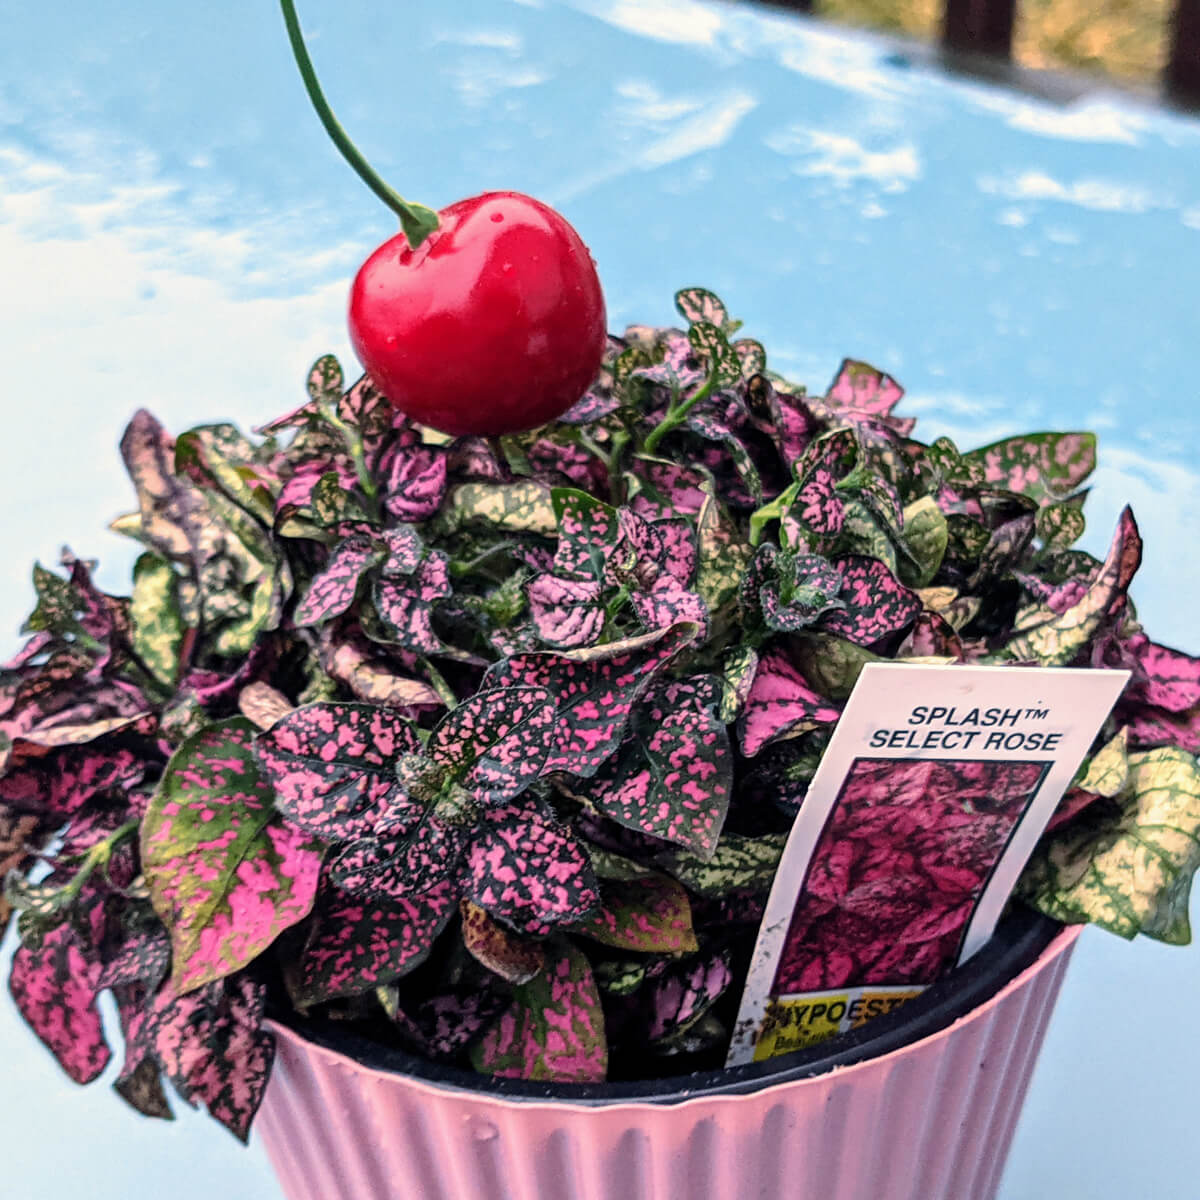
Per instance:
x=936, y=785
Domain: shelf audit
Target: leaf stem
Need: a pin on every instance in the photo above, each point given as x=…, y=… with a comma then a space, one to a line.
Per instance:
x=358, y=455
x=417, y=221
x=100, y=853
x=677, y=414
x=438, y=682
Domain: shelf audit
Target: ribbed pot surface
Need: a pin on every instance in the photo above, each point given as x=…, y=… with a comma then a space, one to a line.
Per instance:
x=931, y=1121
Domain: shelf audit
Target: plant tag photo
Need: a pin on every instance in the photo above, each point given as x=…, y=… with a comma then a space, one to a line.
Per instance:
x=936, y=786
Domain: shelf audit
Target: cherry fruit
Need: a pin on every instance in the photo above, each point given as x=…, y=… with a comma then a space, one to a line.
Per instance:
x=494, y=324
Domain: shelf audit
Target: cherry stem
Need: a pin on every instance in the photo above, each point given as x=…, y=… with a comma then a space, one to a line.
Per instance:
x=417, y=221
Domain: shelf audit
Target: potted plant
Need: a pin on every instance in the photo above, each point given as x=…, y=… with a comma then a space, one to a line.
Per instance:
x=478, y=744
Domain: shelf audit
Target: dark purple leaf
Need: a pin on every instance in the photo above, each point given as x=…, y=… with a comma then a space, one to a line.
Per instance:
x=358, y=944
x=332, y=591
x=142, y=956
x=594, y=697
x=875, y=602
x=332, y=766
x=495, y=743
x=673, y=776
x=528, y=871
x=210, y=1046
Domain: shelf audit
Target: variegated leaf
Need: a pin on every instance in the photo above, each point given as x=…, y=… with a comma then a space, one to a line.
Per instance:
x=495, y=743
x=54, y=987
x=356, y=944
x=405, y=604
x=520, y=507
x=332, y=766
x=681, y=996
x=651, y=916
x=1132, y=875
x=157, y=623
x=594, y=697
x=739, y=864
x=588, y=531
x=673, y=776
x=332, y=591
x=529, y=871
x=874, y=602
x=1055, y=639
x=554, y=1029
x=210, y=1046
x=514, y=958
x=224, y=877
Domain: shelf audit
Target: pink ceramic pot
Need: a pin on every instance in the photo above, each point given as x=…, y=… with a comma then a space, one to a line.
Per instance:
x=927, y=1120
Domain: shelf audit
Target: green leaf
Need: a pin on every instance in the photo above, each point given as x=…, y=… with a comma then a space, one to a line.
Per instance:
x=926, y=536
x=1131, y=874
x=830, y=664
x=651, y=916
x=553, y=1031
x=157, y=621
x=521, y=507
x=225, y=875
x=326, y=380
x=711, y=344
x=332, y=504
x=723, y=555
x=1060, y=525
x=740, y=864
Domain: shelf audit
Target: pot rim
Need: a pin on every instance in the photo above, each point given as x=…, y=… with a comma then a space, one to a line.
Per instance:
x=1023, y=944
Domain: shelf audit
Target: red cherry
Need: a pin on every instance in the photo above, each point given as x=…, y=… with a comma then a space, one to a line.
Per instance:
x=494, y=324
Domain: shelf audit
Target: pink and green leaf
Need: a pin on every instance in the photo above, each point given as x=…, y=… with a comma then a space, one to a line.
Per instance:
x=650, y=916
x=225, y=878
x=1043, y=466
x=554, y=1029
